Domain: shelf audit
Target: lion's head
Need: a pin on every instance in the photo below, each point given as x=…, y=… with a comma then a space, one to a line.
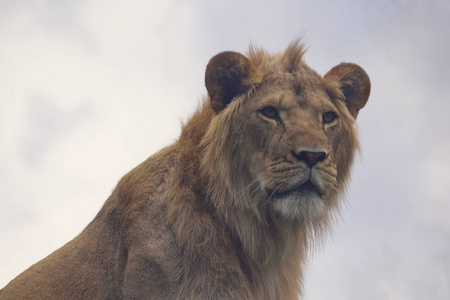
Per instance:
x=282, y=139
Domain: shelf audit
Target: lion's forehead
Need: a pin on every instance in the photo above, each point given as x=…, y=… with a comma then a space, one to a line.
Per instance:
x=302, y=82
x=303, y=76
x=291, y=92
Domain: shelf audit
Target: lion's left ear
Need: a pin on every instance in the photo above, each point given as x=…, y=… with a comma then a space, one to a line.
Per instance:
x=354, y=84
x=228, y=74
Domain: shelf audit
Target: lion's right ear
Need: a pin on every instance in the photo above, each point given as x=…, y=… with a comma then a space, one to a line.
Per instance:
x=228, y=74
x=354, y=84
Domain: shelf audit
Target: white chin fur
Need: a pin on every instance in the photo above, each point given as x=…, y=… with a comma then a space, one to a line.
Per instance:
x=299, y=206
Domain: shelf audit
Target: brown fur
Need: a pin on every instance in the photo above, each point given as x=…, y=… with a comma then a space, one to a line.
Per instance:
x=230, y=210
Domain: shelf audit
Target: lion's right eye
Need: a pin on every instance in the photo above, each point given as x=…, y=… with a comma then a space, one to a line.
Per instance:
x=329, y=117
x=270, y=112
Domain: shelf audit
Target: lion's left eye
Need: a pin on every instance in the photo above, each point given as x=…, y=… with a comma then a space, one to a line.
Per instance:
x=329, y=117
x=270, y=112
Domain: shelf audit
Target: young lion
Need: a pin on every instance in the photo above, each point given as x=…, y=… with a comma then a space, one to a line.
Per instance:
x=230, y=209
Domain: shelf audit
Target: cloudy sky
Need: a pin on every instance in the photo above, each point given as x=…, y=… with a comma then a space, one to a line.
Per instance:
x=89, y=89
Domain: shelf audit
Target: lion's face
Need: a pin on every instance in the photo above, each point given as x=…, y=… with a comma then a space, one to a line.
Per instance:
x=289, y=146
x=289, y=140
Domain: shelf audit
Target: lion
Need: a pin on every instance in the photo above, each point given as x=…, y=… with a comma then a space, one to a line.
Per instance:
x=233, y=207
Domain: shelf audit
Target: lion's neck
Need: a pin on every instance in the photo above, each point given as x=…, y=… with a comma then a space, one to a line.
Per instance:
x=271, y=253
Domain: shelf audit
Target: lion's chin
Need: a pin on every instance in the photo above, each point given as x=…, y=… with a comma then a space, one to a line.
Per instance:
x=301, y=203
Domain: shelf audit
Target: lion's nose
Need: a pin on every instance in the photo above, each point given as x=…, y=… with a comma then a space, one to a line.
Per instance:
x=309, y=157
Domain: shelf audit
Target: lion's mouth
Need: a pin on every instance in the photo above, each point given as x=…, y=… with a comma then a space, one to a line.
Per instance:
x=306, y=188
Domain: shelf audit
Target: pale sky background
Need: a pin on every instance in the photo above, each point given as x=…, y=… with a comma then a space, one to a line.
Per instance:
x=89, y=89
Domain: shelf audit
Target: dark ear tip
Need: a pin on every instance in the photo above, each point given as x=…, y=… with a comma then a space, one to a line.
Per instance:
x=361, y=77
x=220, y=64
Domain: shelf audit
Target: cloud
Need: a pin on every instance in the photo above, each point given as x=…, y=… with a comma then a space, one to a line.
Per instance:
x=46, y=123
x=80, y=106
